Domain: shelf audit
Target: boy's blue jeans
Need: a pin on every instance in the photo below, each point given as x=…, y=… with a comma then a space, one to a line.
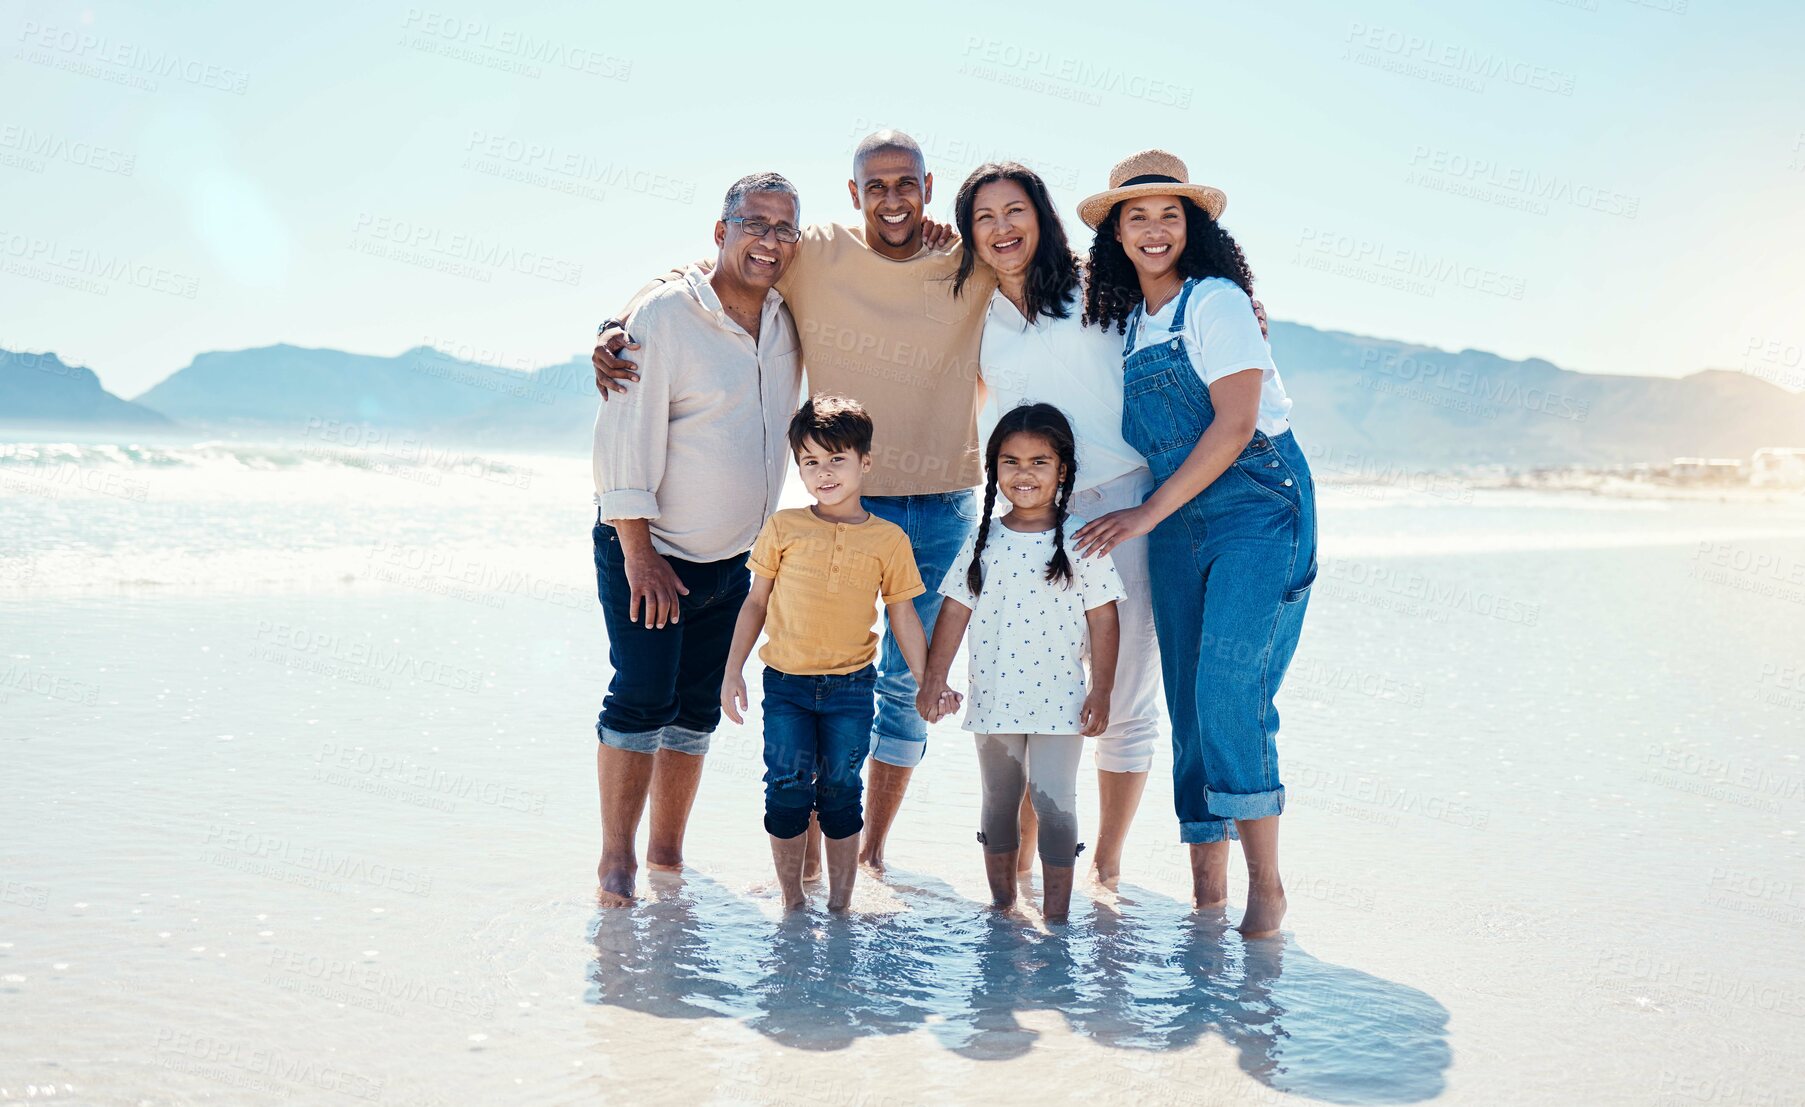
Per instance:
x=817, y=733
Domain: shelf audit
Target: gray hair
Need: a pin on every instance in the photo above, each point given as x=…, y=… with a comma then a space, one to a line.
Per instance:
x=758, y=182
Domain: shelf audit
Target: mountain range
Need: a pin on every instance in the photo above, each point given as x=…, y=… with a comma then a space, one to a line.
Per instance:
x=1370, y=400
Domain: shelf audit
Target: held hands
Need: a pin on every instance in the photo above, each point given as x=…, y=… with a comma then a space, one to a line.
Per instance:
x=1103, y=534
x=935, y=701
x=653, y=582
x=609, y=368
x=1093, y=717
x=733, y=696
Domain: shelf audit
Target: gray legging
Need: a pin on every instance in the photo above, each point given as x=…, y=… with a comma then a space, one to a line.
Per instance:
x=1047, y=765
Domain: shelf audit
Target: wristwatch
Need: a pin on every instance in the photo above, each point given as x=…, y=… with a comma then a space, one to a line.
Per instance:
x=606, y=323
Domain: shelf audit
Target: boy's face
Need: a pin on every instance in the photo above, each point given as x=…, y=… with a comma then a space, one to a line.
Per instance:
x=831, y=476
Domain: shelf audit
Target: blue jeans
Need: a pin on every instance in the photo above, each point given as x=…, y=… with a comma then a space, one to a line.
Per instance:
x=1231, y=573
x=937, y=524
x=817, y=731
x=666, y=689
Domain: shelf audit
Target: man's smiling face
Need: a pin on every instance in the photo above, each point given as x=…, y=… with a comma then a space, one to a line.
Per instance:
x=892, y=188
x=758, y=262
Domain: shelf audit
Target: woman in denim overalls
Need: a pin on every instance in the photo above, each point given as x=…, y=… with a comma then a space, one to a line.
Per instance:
x=1232, y=519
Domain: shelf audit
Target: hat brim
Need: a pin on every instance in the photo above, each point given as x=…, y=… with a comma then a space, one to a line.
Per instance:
x=1094, y=209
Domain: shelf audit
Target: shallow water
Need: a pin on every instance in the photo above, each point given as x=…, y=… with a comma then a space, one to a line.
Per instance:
x=297, y=803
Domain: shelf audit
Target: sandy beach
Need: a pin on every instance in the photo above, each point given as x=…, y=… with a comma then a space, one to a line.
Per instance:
x=299, y=805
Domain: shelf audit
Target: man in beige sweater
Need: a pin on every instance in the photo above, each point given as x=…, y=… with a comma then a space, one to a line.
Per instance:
x=878, y=322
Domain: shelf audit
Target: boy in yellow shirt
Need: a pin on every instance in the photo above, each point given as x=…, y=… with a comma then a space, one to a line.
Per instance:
x=817, y=574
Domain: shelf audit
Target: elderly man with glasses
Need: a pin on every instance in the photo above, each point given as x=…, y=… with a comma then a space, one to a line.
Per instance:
x=687, y=468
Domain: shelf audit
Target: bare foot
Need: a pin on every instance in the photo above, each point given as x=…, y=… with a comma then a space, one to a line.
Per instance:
x=838, y=901
x=1265, y=910
x=1209, y=876
x=1105, y=876
x=616, y=888
x=664, y=859
x=1056, y=900
x=872, y=859
x=811, y=854
x=796, y=903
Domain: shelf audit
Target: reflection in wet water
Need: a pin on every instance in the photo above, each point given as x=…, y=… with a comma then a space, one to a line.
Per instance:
x=1141, y=974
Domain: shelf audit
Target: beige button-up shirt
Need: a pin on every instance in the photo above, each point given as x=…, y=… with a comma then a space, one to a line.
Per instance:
x=697, y=446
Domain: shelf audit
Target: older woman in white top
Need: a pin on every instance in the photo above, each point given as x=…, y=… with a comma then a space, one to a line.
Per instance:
x=1036, y=350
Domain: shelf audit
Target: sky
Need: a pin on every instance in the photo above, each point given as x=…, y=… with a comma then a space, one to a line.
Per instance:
x=1613, y=185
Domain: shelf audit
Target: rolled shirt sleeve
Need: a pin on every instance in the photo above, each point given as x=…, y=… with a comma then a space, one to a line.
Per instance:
x=902, y=579
x=632, y=430
x=767, y=551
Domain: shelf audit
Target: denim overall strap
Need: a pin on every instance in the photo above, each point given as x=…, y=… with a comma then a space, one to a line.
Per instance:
x=1178, y=312
x=1134, y=326
x=1178, y=317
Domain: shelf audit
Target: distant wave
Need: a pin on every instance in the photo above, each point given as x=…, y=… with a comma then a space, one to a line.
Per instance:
x=371, y=450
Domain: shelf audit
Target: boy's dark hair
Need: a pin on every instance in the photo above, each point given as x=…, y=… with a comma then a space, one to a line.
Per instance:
x=1043, y=421
x=836, y=423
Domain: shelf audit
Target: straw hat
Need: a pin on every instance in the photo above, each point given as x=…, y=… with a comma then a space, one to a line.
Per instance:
x=1150, y=173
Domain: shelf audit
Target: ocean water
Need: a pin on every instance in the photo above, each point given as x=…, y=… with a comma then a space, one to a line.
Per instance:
x=297, y=804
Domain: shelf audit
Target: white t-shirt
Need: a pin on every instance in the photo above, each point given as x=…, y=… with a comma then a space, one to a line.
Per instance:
x=1028, y=641
x=1222, y=337
x=1077, y=369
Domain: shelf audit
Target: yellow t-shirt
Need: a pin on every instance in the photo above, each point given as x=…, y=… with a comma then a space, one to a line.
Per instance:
x=826, y=579
x=891, y=335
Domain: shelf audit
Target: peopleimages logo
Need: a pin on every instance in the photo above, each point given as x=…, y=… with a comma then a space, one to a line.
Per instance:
x=128, y=63
x=1079, y=73
x=458, y=249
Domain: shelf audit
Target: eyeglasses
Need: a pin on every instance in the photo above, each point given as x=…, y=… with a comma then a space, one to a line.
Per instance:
x=758, y=228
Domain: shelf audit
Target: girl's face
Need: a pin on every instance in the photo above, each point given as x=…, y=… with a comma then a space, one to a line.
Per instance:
x=1029, y=471
x=1004, y=227
x=1152, y=231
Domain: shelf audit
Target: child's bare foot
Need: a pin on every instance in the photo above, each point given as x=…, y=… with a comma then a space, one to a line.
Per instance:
x=842, y=871
x=1105, y=875
x=786, y=854
x=1265, y=910
x=811, y=854
x=616, y=883
x=1056, y=900
x=1209, y=875
x=999, y=870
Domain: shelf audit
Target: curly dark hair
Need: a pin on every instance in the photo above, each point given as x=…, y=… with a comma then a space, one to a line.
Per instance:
x=1053, y=271
x=1113, y=289
x=1042, y=421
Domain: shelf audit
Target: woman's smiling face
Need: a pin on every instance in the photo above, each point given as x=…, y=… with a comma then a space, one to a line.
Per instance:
x=1005, y=229
x=1152, y=232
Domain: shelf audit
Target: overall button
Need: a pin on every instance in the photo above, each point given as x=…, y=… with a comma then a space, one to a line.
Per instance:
x=1175, y=343
x=1287, y=482
x=1272, y=465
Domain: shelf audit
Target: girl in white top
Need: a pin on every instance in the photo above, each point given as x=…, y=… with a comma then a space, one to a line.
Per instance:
x=1036, y=616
